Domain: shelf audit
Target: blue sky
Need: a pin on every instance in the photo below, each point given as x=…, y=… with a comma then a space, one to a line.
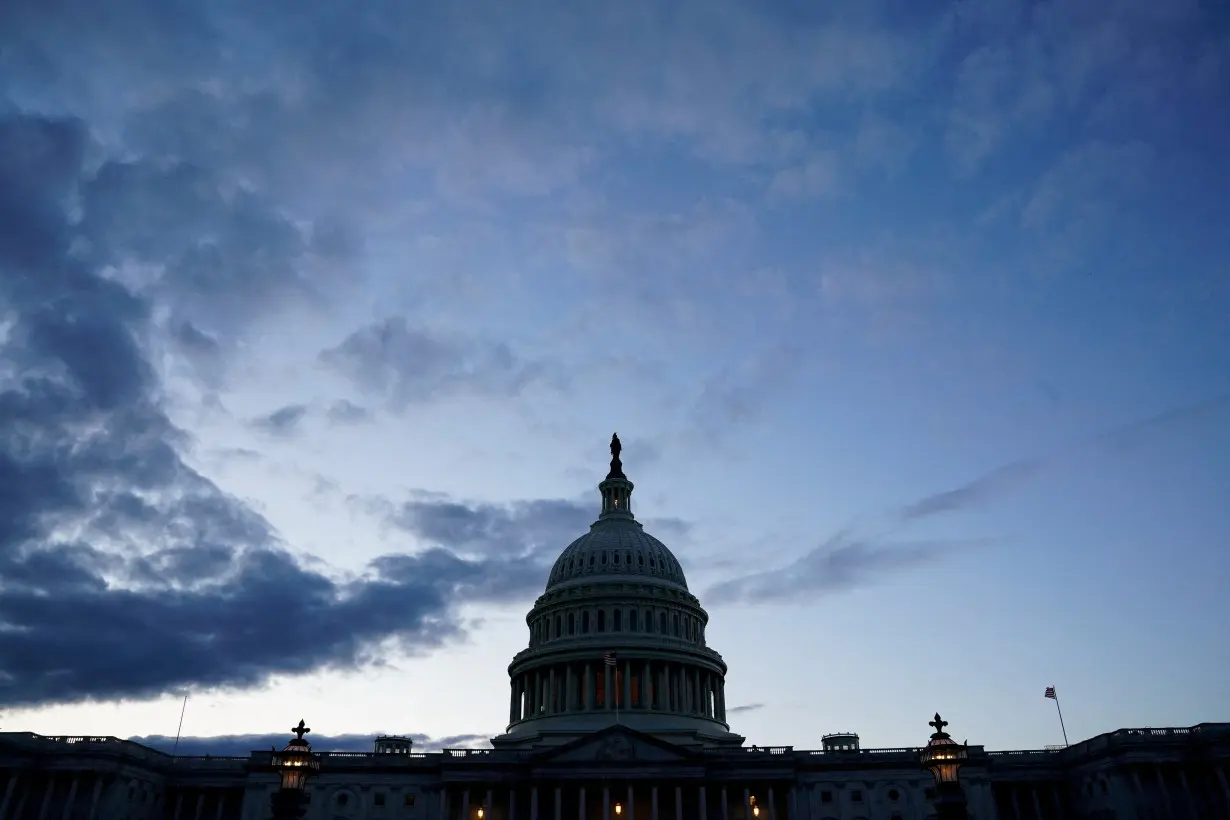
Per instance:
x=317, y=321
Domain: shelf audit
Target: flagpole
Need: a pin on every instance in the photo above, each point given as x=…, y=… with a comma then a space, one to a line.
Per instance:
x=182, y=709
x=1061, y=726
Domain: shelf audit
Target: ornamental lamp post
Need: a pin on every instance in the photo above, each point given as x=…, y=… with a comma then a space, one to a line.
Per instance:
x=294, y=765
x=943, y=757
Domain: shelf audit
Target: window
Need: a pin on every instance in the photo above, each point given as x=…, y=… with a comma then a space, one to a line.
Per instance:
x=409, y=801
x=856, y=796
x=572, y=623
x=929, y=793
x=617, y=618
x=343, y=799
x=662, y=622
x=632, y=624
x=378, y=799
x=584, y=622
x=826, y=796
x=894, y=795
x=559, y=625
x=602, y=620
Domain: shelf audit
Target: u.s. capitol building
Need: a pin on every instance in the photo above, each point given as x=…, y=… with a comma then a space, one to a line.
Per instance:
x=618, y=707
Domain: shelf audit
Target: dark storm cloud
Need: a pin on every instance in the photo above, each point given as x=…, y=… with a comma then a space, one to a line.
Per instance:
x=402, y=365
x=284, y=421
x=244, y=745
x=124, y=572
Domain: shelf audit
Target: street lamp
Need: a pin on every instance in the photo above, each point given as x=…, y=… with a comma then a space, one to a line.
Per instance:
x=294, y=764
x=944, y=759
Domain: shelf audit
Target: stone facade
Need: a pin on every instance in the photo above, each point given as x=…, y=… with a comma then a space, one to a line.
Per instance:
x=1131, y=774
x=617, y=711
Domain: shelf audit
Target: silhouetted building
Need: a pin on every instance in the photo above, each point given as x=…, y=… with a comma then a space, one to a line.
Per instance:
x=617, y=709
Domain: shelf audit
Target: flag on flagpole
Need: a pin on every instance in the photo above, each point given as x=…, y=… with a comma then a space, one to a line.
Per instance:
x=1050, y=693
x=609, y=658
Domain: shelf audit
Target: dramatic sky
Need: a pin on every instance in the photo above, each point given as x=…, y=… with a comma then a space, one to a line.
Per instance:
x=316, y=319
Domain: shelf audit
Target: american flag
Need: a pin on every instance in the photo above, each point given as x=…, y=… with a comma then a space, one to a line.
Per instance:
x=1050, y=693
x=609, y=658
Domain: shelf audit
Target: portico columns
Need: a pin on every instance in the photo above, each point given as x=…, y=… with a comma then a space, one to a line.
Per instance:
x=631, y=804
x=679, y=803
x=725, y=805
x=51, y=784
x=1225, y=785
x=534, y=803
x=581, y=805
x=773, y=806
x=704, y=809
x=8, y=795
x=606, y=800
x=653, y=804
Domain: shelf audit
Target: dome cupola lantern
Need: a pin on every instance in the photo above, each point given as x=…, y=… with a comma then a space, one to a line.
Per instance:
x=616, y=637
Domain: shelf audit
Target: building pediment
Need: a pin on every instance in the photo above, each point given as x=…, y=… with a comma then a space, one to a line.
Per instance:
x=616, y=744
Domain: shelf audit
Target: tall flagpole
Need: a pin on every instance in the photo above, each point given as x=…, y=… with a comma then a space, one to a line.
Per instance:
x=182, y=709
x=1053, y=695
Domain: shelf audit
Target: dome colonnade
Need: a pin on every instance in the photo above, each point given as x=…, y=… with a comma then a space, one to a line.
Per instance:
x=616, y=636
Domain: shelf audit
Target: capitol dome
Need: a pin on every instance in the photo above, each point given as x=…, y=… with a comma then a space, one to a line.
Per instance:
x=616, y=637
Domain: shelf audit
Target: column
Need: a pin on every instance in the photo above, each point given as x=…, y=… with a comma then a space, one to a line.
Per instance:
x=489, y=804
x=1187, y=793
x=702, y=802
x=1016, y=803
x=8, y=795
x=465, y=804
x=559, y=804
x=536, y=697
x=725, y=805
x=570, y=700
x=1033, y=792
x=626, y=690
x=606, y=799
x=200, y=805
x=553, y=697
x=179, y=804
x=631, y=804
x=700, y=693
x=678, y=803
x=646, y=695
x=606, y=691
x=747, y=804
x=773, y=806
x=581, y=805
x=653, y=804
x=1225, y=785
x=444, y=803
x=534, y=803
x=512, y=803
x=221, y=804
x=51, y=785
x=21, y=801
x=588, y=701
x=664, y=690
x=1161, y=782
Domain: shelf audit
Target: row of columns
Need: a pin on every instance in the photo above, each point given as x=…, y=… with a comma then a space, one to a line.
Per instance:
x=13, y=793
x=638, y=684
x=617, y=803
x=1168, y=798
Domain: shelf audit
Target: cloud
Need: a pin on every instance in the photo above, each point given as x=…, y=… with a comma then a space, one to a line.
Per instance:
x=402, y=365
x=282, y=422
x=842, y=562
x=528, y=535
x=243, y=745
x=106, y=533
x=347, y=412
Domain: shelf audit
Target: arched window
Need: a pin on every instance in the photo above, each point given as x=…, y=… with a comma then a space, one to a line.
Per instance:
x=633, y=626
x=585, y=622
x=602, y=620
x=559, y=625
x=617, y=618
x=662, y=622
x=572, y=623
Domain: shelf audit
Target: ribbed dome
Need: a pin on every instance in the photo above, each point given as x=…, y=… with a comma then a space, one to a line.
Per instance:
x=616, y=549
